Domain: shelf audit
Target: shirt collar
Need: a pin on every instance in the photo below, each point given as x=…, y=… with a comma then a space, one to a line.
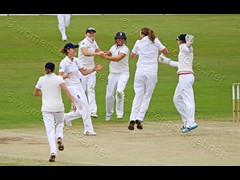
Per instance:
x=119, y=46
x=89, y=39
x=145, y=38
x=69, y=60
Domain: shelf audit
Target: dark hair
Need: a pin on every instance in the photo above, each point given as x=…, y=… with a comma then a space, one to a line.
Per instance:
x=64, y=51
x=49, y=67
x=148, y=32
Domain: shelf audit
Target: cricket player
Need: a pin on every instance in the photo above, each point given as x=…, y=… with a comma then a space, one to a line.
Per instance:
x=184, y=97
x=146, y=74
x=118, y=76
x=88, y=48
x=63, y=23
x=70, y=69
x=49, y=87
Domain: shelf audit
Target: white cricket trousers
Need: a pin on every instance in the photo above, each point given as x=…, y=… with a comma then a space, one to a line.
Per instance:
x=116, y=83
x=82, y=107
x=63, y=23
x=53, y=132
x=144, y=85
x=184, y=99
x=88, y=83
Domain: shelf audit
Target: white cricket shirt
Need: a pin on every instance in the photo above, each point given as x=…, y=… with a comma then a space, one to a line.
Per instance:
x=148, y=54
x=87, y=61
x=185, y=59
x=51, y=92
x=122, y=65
x=68, y=66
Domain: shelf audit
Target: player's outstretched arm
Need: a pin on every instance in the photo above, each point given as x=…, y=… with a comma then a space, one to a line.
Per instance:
x=116, y=59
x=88, y=53
x=89, y=71
x=163, y=59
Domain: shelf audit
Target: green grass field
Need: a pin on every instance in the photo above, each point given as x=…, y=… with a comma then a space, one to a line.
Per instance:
x=28, y=42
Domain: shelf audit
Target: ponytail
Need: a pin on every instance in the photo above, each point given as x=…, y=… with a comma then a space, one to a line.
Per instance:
x=64, y=51
x=148, y=32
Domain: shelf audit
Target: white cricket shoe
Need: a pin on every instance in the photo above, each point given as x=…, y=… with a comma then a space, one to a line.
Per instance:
x=64, y=37
x=90, y=133
x=119, y=117
x=108, y=118
x=94, y=115
x=52, y=157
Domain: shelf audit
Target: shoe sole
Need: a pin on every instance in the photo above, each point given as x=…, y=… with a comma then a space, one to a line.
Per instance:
x=60, y=146
x=94, y=115
x=88, y=134
x=139, y=124
x=131, y=125
x=194, y=127
x=52, y=158
x=186, y=131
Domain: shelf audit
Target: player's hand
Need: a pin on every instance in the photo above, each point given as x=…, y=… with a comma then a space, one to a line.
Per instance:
x=189, y=40
x=68, y=75
x=105, y=54
x=100, y=53
x=74, y=108
x=163, y=59
x=98, y=67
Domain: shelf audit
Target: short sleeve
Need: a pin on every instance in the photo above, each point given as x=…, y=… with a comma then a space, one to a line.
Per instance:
x=62, y=67
x=125, y=51
x=82, y=44
x=38, y=85
x=78, y=63
x=61, y=80
x=112, y=49
x=135, y=47
x=159, y=44
x=96, y=45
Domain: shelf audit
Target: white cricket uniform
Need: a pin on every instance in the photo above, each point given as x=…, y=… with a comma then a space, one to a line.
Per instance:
x=52, y=107
x=145, y=76
x=63, y=23
x=88, y=81
x=184, y=96
x=117, y=81
x=76, y=90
